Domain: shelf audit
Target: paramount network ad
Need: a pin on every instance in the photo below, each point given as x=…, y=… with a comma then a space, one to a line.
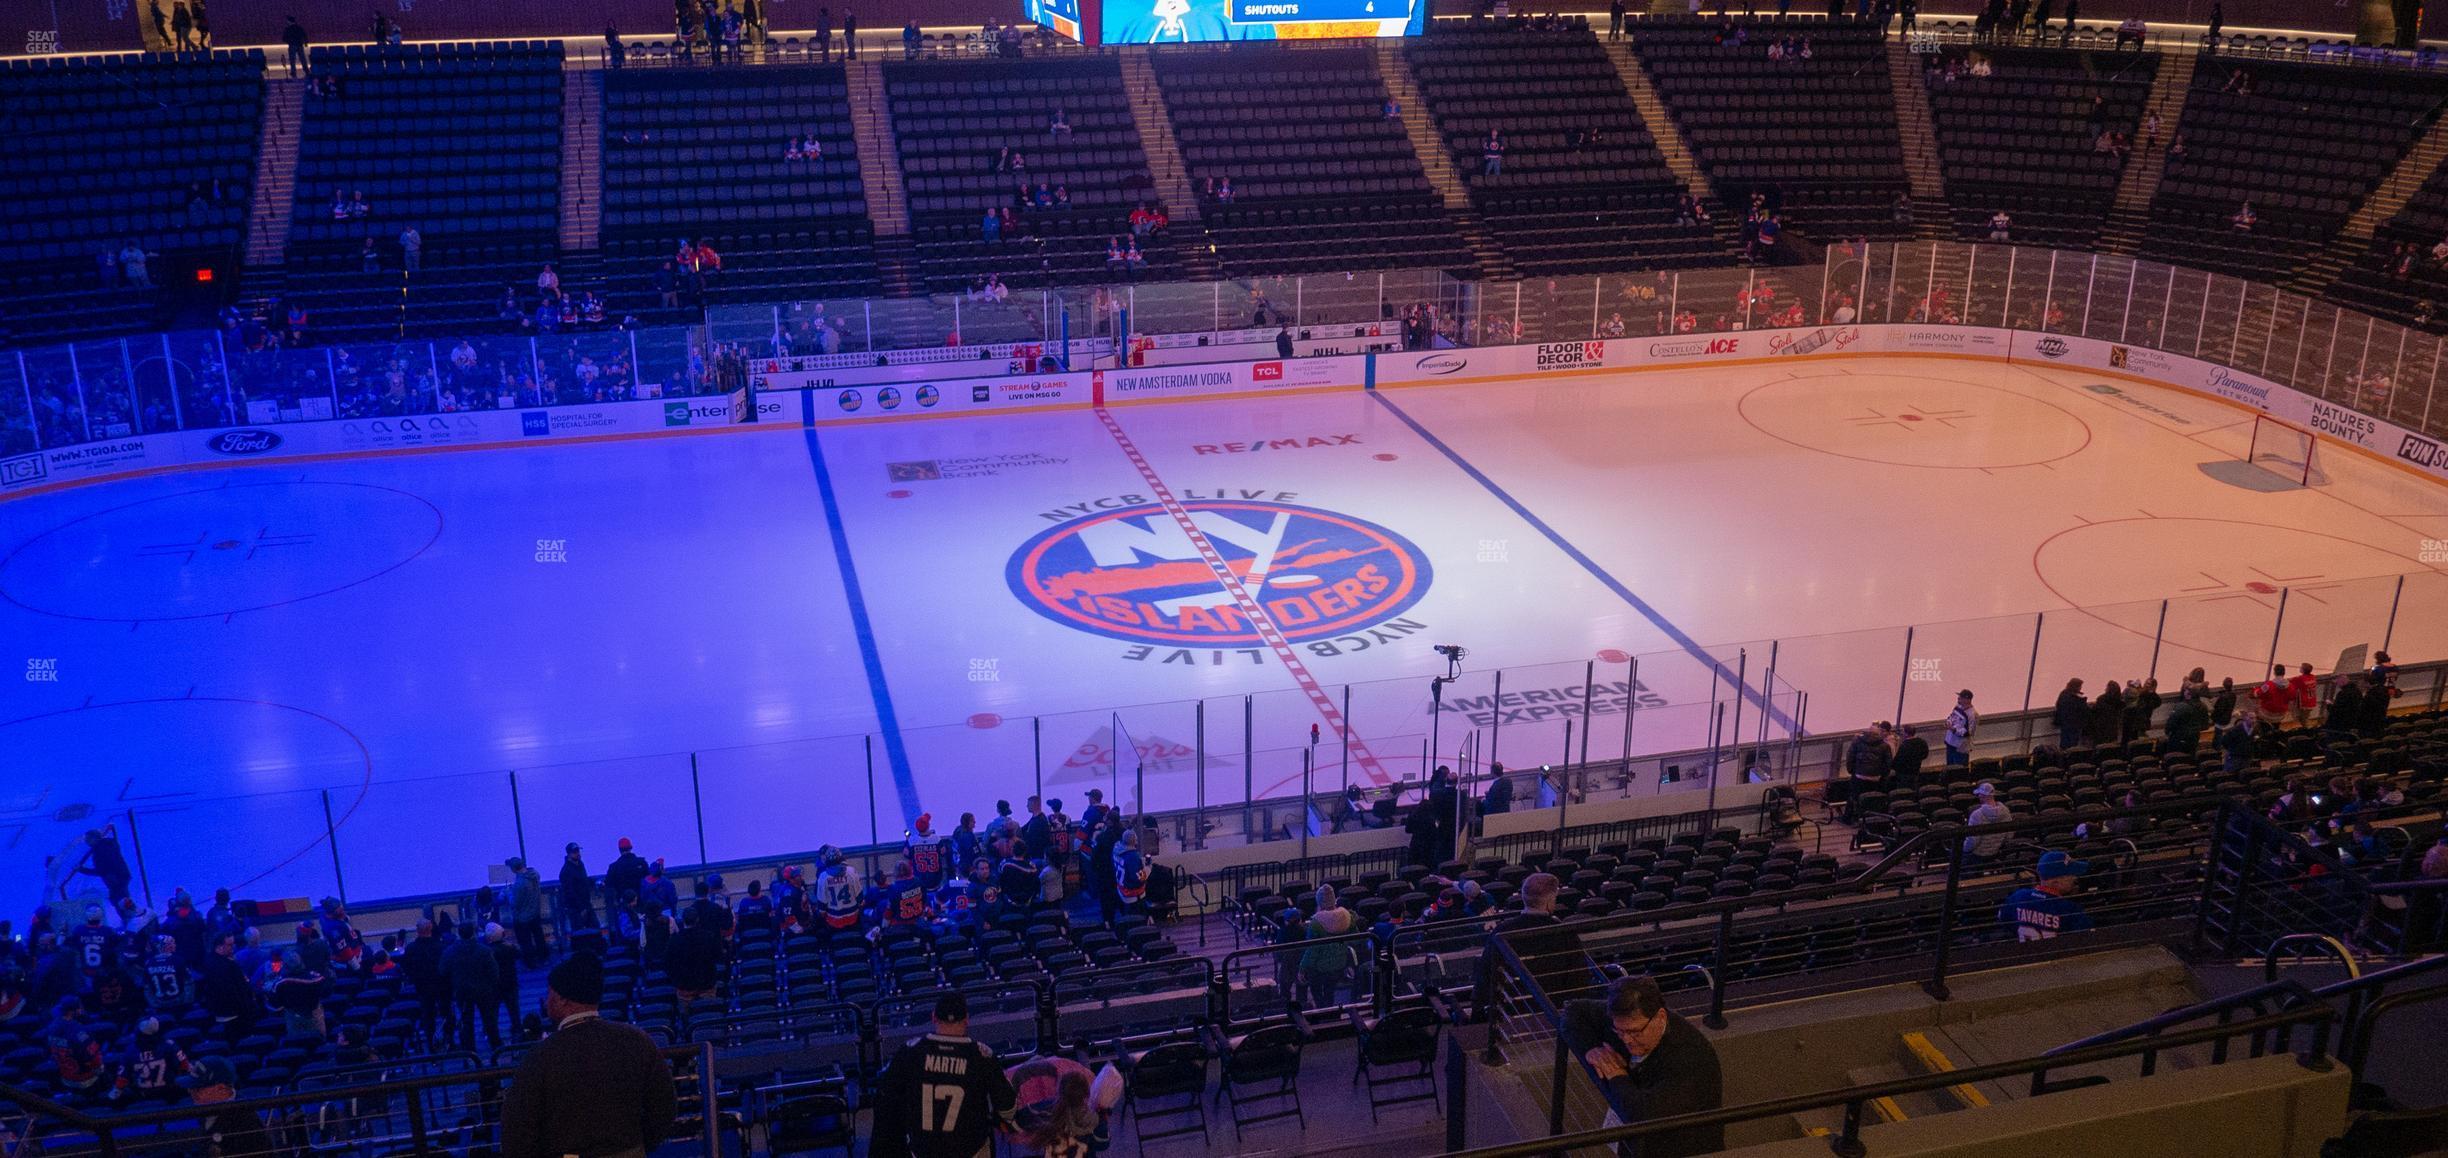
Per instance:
x=1185, y=21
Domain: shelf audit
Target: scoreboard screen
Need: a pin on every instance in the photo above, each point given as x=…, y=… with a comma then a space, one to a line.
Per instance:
x=1062, y=16
x=1184, y=21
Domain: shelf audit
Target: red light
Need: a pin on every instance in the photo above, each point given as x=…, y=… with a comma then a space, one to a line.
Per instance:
x=204, y=274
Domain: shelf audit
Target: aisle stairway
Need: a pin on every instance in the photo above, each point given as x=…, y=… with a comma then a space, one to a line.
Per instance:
x=1395, y=69
x=1932, y=220
x=1165, y=165
x=2385, y=202
x=2131, y=218
x=880, y=180
x=275, y=171
x=581, y=159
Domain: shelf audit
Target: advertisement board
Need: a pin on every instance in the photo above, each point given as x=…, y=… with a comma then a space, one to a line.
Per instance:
x=1227, y=378
x=1189, y=21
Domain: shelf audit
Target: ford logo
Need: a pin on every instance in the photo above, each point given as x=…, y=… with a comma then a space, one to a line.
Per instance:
x=243, y=442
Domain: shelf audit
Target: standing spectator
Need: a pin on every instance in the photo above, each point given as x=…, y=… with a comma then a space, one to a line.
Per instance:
x=1615, y=20
x=412, y=248
x=422, y=962
x=616, y=53
x=1990, y=810
x=911, y=38
x=2108, y=716
x=1283, y=342
x=850, y=33
x=943, y=1095
x=1651, y=1063
x=824, y=34
x=76, y=1054
x=2218, y=24
x=505, y=985
x=132, y=266
x=474, y=975
x=2274, y=697
x=527, y=910
x=2222, y=705
x=2305, y=687
x=695, y=959
x=2073, y=13
x=2141, y=703
x=1904, y=772
x=2186, y=722
x=628, y=871
x=182, y=25
x=1324, y=967
x=222, y=987
x=2236, y=743
x=592, y=1087
x=577, y=892
x=104, y=862
x=1491, y=152
x=294, y=35
x=1960, y=725
x=1131, y=871
x=2072, y=715
x=1038, y=834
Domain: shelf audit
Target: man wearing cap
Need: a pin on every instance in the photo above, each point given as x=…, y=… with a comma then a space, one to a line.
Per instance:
x=527, y=910
x=577, y=892
x=592, y=1088
x=2046, y=907
x=235, y=1133
x=926, y=852
x=943, y=1096
x=1094, y=814
x=148, y=1065
x=1990, y=810
x=628, y=871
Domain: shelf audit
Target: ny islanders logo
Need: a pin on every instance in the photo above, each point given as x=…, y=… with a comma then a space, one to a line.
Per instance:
x=1133, y=573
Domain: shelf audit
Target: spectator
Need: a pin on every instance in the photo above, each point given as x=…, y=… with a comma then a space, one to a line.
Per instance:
x=2001, y=227
x=942, y=1094
x=2108, y=716
x=1911, y=751
x=1283, y=342
x=616, y=54
x=1615, y=19
x=1131, y=871
x=474, y=975
x=76, y=1053
x=1058, y=123
x=849, y=27
x=2236, y=744
x=2186, y=722
x=1324, y=967
x=2244, y=218
x=2141, y=703
x=911, y=39
x=591, y=1087
x=132, y=266
x=103, y=861
x=577, y=889
x=234, y=1133
x=2045, y=908
x=694, y=961
x=294, y=36
x=628, y=871
x=1990, y=810
x=422, y=962
x=1491, y=152
x=221, y=987
x=1961, y=723
x=1062, y=1110
x=2274, y=697
x=2129, y=31
x=412, y=248
x=2072, y=715
x=824, y=34
x=505, y=980
x=1650, y=1063
x=527, y=910
x=2305, y=687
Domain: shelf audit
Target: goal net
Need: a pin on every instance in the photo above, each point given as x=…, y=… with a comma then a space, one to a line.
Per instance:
x=2286, y=450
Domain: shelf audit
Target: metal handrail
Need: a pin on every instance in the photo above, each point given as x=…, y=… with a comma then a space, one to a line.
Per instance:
x=1853, y=1098
x=2269, y=961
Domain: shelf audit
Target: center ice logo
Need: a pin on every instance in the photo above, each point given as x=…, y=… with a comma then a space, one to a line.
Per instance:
x=1134, y=574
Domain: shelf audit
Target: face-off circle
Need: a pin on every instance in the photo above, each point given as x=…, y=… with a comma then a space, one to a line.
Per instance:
x=211, y=553
x=1134, y=574
x=1937, y=423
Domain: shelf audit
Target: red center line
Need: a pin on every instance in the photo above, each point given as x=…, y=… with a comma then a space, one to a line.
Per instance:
x=1259, y=620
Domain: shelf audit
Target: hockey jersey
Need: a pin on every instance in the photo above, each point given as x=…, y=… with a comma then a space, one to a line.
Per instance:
x=839, y=896
x=941, y=1097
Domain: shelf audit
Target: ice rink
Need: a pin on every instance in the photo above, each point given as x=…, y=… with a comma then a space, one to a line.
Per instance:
x=773, y=637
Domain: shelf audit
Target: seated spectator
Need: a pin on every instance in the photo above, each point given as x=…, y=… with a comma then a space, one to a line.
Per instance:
x=1132, y=259
x=1058, y=124
x=1062, y=1109
x=2001, y=227
x=1113, y=253
x=1389, y=110
x=1224, y=190
x=339, y=206
x=1042, y=196
x=1141, y=221
x=510, y=310
x=1491, y=152
x=1002, y=161
x=358, y=210
x=1062, y=196
x=2045, y=908
x=2244, y=218
x=990, y=227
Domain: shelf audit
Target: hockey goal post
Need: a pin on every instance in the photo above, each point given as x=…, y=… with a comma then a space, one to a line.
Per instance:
x=2286, y=450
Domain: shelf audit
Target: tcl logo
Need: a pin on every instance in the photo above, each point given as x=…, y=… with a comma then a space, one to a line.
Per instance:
x=1266, y=372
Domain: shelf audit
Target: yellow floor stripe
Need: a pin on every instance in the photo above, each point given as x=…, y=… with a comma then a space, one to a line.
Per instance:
x=1936, y=1061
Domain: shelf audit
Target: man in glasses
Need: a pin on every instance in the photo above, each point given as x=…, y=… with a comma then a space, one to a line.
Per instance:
x=1651, y=1064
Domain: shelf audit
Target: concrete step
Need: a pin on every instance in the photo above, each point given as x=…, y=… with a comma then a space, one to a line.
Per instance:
x=879, y=160
x=581, y=159
x=1427, y=140
x=1163, y=150
x=275, y=170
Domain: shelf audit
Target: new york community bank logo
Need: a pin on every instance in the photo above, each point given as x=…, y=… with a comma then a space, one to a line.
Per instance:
x=1130, y=572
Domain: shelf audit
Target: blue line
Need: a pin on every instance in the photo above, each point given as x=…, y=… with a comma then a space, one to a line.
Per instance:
x=894, y=750
x=1588, y=564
